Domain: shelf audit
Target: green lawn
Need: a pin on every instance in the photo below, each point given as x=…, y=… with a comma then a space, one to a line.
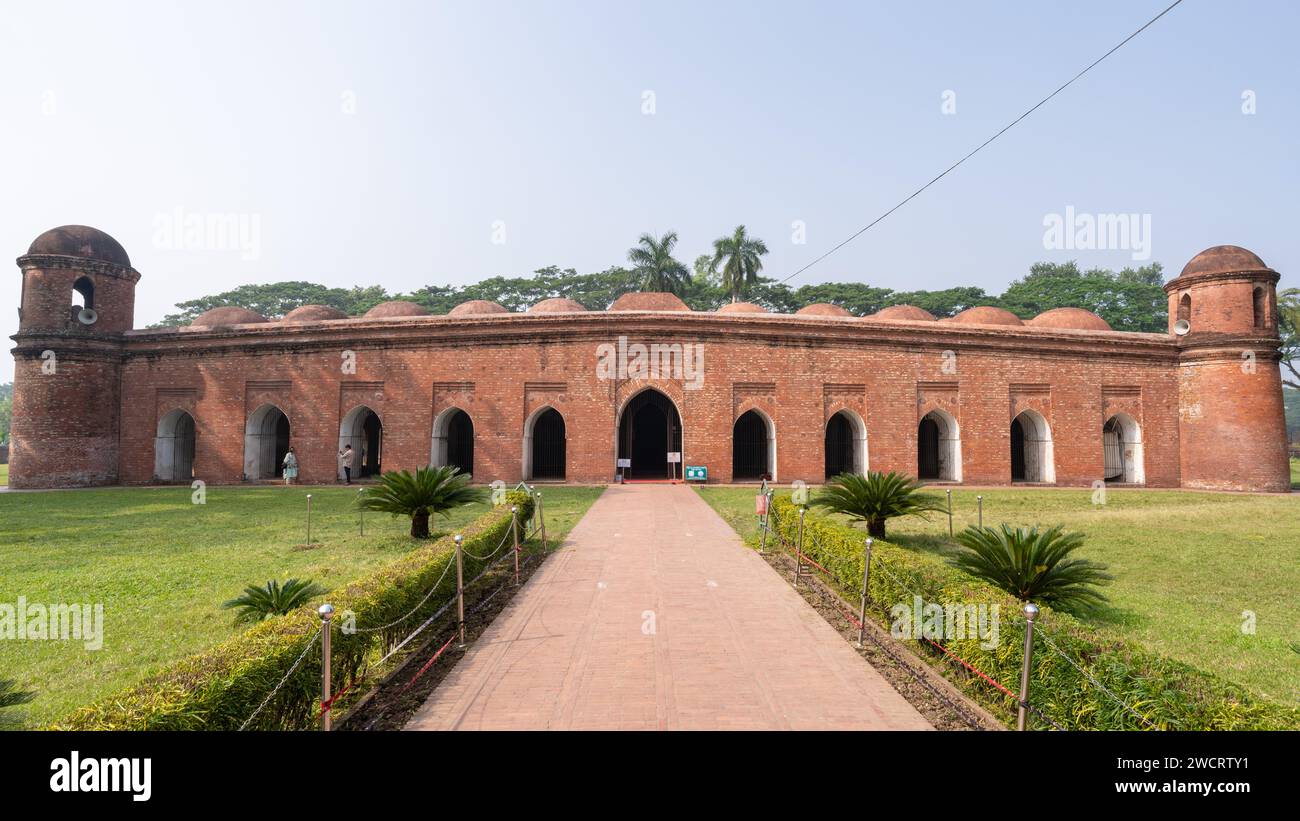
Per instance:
x=4, y=473
x=1295, y=474
x=161, y=567
x=1186, y=565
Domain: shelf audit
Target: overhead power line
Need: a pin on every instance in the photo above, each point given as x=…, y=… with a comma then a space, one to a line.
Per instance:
x=981, y=146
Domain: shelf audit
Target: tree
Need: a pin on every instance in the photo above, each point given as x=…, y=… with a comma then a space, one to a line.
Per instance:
x=654, y=265
x=948, y=302
x=875, y=499
x=740, y=256
x=427, y=492
x=1033, y=566
x=1130, y=300
x=274, y=300
x=6, y=410
x=857, y=298
x=272, y=599
x=1288, y=327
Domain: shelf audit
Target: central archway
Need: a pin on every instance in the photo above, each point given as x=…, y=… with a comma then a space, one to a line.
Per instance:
x=266, y=441
x=1031, y=449
x=845, y=444
x=938, y=447
x=364, y=431
x=173, y=448
x=753, y=448
x=545, y=451
x=453, y=440
x=649, y=429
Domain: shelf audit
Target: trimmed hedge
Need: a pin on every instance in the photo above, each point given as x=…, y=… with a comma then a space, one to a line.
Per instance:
x=1169, y=694
x=220, y=688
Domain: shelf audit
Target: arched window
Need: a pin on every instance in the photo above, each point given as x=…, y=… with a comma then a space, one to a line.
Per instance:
x=453, y=440
x=83, y=293
x=362, y=429
x=1121, y=442
x=266, y=441
x=545, y=445
x=845, y=444
x=173, y=448
x=1185, y=308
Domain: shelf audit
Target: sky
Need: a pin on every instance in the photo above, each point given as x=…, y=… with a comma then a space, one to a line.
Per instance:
x=407, y=144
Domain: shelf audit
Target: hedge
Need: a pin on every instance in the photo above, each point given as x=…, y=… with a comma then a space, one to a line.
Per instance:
x=221, y=687
x=1168, y=694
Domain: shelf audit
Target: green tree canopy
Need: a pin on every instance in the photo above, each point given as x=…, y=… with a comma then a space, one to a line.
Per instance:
x=1130, y=300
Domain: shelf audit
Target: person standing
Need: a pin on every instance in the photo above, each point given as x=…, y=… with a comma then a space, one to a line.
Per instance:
x=290, y=467
x=349, y=458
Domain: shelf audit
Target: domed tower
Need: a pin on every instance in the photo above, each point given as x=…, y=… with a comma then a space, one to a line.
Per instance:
x=1232, y=428
x=78, y=298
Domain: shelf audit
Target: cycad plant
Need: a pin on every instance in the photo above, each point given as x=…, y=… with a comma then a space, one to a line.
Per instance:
x=1034, y=566
x=427, y=492
x=273, y=599
x=875, y=498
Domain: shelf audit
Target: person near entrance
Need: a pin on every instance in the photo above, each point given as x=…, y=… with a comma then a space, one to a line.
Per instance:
x=349, y=458
x=290, y=467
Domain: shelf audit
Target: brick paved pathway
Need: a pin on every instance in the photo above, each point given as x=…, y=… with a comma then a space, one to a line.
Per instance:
x=653, y=615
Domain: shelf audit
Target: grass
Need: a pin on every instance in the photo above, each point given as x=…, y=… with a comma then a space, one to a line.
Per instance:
x=1295, y=474
x=162, y=566
x=1187, y=566
x=4, y=473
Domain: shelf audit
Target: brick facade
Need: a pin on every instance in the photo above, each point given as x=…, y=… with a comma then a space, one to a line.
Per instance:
x=1204, y=420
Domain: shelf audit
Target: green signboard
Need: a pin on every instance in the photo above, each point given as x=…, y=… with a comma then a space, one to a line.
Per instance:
x=696, y=473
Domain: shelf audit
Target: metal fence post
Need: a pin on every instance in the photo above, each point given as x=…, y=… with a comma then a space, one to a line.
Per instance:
x=326, y=713
x=460, y=589
x=309, y=520
x=862, y=611
x=1022, y=718
x=798, y=547
x=514, y=529
x=360, y=493
x=949, y=492
x=541, y=517
x=979, y=500
x=767, y=520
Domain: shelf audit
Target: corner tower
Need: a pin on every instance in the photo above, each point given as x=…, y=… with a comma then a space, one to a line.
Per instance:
x=78, y=299
x=1232, y=428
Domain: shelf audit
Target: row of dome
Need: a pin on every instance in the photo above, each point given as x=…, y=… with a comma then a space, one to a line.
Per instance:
x=1056, y=318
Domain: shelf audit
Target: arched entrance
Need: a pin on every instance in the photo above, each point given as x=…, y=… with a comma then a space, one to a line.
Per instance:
x=938, y=447
x=266, y=441
x=362, y=429
x=846, y=444
x=1031, y=449
x=173, y=448
x=649, y=428
x=453, y=440
x=753, y=448
x=1121, y=440
x=544, y=445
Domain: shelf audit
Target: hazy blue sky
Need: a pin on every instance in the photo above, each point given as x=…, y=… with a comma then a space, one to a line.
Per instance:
x=379, y=142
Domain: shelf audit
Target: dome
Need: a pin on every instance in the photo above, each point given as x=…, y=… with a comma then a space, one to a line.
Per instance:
x=227, y=315
x=80, y=241
x=909, y=313
x=1224, y=259
x=649, y=301
x=822, y=309
x=987, y=315
x=476, y=307
x=1070, y=319
x=741, y=308
x=313, y=313
x=395, y=308
x=557, y=305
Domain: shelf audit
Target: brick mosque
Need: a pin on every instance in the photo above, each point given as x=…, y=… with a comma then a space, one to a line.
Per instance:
x=561, y=393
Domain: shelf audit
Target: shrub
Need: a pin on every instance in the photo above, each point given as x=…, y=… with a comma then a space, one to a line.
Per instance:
x=273, y=599
x=1033, y=566
x=220, y=688
x=427, y=492
x=1168, y=694
x=875, y=499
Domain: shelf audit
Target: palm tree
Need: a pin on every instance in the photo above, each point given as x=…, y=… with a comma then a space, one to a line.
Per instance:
x=429, y=491
x=654, y=264
x=273, y=599
x=875, y=499
x=1033, y=566
x=739, y=255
